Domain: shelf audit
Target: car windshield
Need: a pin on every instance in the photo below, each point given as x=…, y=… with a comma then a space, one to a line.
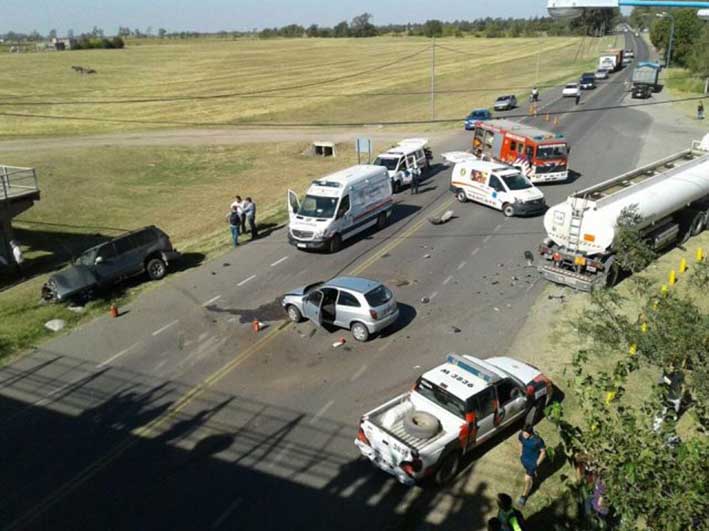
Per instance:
x=311, y=287
x=378, y=296
x=571, y=86
x=441, y=397
x=87, y=258
x=556, y=151
x=476, y=115
x=516, y=181
x=315, y=206
x=503, y=99
x=388, y=163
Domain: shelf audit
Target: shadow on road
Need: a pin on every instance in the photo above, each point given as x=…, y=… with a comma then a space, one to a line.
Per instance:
x=114, y=449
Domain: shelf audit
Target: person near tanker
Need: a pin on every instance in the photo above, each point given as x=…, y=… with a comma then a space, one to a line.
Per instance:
x=234, y=220
x=250, y=213
x=532, y=452
x=18, y=257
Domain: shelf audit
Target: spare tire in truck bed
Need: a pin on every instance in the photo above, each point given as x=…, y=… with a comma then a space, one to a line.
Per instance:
x=421, y=425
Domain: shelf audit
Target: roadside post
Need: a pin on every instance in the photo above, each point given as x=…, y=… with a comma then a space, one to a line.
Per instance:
x=363, y=145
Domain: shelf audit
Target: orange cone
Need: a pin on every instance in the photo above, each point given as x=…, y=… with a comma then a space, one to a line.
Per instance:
x=114, y=311
x=256, y=325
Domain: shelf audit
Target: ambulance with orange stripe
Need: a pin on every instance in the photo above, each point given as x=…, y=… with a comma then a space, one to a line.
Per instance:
x=451, y=410
x=340, y=206
x=541, y=155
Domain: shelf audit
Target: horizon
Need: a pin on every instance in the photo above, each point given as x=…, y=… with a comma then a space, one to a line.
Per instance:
x=212, y=16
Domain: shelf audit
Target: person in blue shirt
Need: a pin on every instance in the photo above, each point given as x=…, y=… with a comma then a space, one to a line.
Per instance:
x=532, y=452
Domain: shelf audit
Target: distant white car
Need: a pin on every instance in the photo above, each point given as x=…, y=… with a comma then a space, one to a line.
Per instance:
x=571, y=90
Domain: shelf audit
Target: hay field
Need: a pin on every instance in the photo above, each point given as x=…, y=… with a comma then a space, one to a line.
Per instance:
x=266, y=81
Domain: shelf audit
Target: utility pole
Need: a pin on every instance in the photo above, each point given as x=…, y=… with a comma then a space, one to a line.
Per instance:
x=539, y=59
x=433, y=79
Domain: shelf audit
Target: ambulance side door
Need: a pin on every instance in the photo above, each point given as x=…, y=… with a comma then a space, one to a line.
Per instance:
x=479, y=190
x=497, y=193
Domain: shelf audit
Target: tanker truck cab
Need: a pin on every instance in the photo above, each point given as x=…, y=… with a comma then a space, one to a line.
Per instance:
x=451, y=409
x=411, y=156
x=496, y=185
x=339, y=206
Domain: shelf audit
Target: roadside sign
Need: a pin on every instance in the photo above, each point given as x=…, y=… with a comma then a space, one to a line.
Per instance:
x=363, y=145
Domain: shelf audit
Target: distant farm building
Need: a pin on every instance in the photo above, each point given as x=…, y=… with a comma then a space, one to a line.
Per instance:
x=63, y=43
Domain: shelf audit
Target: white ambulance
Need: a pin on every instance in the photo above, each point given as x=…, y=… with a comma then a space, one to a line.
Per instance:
x=410, y=156
x=340, y=206
x=494, y=184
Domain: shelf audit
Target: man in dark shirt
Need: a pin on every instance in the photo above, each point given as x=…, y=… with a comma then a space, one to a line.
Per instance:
x=532, y=452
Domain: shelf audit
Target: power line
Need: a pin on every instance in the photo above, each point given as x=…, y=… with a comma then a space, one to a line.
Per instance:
x=328, y=124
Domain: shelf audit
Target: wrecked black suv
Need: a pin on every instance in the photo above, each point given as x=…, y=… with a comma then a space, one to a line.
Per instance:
x=145, y=250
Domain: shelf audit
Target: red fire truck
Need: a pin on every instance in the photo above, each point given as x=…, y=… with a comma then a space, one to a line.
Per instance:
x=541, y=155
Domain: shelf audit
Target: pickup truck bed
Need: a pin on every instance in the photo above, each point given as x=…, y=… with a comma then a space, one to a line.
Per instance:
x=392, y=422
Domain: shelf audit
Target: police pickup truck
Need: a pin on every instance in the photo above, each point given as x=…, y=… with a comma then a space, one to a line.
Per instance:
x=452, y=409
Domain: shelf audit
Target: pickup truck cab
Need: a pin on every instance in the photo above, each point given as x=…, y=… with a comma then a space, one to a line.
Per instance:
x=452, y=409
x=494, y=184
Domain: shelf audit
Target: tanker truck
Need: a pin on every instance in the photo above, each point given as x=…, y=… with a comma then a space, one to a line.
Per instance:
x=671, y=196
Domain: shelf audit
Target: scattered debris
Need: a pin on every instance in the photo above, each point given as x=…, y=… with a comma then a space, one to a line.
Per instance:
x=425, y=300
x=515, y=278
x=257, y=325
x=226, y=264
x=445, y=218
x=417, y=366
x=495, y=282
x=496, y=309
x=500, y=265
x=455, y=329
x=557, y=297
x=76, y=309
x=55, y=325
x=312, y=332
x=339, y=343
x=400, y=283
x=529, y=257
x=427, y=256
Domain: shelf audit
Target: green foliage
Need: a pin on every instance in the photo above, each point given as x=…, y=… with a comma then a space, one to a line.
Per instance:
x=433, y=28
x=698, y=60
x=595, y=21
x=688, y=30
x=632, y=252
x=654, y=477
x=92, y=43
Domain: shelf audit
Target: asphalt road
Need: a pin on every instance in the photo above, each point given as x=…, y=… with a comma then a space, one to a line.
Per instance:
x=178, y=416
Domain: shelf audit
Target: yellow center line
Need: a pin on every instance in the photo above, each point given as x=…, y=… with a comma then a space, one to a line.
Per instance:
x=190, y=396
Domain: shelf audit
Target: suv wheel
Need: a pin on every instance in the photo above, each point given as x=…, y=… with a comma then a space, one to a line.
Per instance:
x=359, y=332
x=156, y=268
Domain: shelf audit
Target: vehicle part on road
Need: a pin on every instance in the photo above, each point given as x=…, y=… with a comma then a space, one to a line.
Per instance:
x=669, y=197
x=445, y=218
x=55, y=325
x=425, y=300
x=421, y=424
x=339, y=342
x=257, y=325
x=360, y=332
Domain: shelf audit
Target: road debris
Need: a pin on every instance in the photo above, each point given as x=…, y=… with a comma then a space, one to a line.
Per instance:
x=445, y=218
x=425, y=300
x=339, y=343
x=55, y=325
x=455, y=330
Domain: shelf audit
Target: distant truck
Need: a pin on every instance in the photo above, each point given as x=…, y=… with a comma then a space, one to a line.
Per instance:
x=647, y=73
x=671, y=196
x=611, y=60
x=453, y=408
x=542, y=156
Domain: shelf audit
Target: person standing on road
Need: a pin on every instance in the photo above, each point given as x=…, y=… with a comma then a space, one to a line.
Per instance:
x=578, y=97
x=532, y=452
x=17, y=255
x=234, y=219
x=239, y=203
x=700, y=111
x=415, y=177
x=250, y=214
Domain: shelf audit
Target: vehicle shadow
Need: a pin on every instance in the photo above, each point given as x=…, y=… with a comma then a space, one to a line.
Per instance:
x=406, y=315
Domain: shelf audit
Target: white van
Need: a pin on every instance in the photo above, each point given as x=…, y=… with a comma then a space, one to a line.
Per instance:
x=494, y=184
x=339, y=206
x=411, y=155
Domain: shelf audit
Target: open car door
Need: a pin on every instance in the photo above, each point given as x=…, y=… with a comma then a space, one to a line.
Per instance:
x=293, y=204
x=312, y=307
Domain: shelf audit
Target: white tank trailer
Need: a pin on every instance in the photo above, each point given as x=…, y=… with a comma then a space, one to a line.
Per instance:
x=670, y=195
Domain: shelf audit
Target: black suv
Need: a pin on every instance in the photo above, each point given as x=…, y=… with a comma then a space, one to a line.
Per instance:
x=145, y=250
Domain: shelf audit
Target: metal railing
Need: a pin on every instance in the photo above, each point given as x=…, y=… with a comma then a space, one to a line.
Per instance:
x=16, y=182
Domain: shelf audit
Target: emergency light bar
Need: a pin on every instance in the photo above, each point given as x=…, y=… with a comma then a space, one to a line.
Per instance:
x=472, y=368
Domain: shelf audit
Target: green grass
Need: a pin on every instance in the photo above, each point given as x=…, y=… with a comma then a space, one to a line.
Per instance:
x=682, y=84
x=92, y=194
x=480, y=68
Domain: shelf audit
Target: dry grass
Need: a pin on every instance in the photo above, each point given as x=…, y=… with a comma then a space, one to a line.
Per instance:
x=481, y=68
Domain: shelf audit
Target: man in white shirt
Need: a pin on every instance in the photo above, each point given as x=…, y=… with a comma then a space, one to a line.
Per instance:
x=17, y=255
x=239, y=204
x=249, y=209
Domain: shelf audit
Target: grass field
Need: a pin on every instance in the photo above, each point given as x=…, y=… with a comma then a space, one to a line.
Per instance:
x=296, y=80
x=682, y=84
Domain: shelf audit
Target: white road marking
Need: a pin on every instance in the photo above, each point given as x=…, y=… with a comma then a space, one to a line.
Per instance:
x=359, y=373
x=433, y=296
x=118, y=355
x=168, y=325
x=274, y=264
x=210, y=301
x=462, y=265
x=497, y=228
x=226, y=514
x=475, y=251
x=321, y=412
x=446, y=281
x=386, y=345
x=232, y=320
x=487, y=238
x=246, y=280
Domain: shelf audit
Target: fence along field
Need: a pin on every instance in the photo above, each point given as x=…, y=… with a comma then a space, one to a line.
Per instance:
x=293, y=80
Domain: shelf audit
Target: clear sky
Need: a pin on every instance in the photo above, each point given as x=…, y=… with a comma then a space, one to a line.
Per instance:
x=214, y=15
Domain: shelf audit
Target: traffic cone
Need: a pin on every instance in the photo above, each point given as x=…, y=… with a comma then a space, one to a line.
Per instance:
x=339, y=343
x=683, y=265
x=256, y=325
x=114, y=311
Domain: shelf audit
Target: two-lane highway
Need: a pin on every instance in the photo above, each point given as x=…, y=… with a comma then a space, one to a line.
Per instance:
x=179, y=416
